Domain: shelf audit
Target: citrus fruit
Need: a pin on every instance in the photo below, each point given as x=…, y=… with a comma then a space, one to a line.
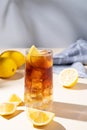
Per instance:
x=68, y=77
x=33, y=56
x=7, y=108
x=39, y=58
x=17, y=56
x=39, y=117
x=14, y=98
x=33, y=51
x=7, y=67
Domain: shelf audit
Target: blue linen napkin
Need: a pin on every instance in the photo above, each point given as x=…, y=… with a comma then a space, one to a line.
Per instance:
x=74, y=56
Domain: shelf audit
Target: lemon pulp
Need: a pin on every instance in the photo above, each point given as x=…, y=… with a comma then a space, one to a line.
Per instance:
x=14, y=98
x=39, y=117
x=7, y=108
x=68, y=77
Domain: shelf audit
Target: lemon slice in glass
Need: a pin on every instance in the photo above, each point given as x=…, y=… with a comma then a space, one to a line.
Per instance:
x=68, y=77
x=39, y=117
x=7, y=108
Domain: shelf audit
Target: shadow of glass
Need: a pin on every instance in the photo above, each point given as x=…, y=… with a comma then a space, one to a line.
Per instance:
x=70, y=111
x=52, y=126
x=17, y=112
x=80, y=86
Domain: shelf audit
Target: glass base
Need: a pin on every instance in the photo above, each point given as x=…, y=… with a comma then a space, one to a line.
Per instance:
x=43, y=105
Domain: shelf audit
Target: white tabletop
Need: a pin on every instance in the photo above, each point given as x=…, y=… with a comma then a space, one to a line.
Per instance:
x=70, y=105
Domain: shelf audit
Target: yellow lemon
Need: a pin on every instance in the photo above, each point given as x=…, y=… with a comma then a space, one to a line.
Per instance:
x=68, y=77
x=7, y=108
x=39, y=58
x=39, y=117
x=17, y=56
x=33, y=55
x=33, y=51
x=14, y=98
x=7, y=67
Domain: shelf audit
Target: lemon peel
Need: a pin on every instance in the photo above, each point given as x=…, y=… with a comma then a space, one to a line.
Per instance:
x=7, y=67
x=15, y=55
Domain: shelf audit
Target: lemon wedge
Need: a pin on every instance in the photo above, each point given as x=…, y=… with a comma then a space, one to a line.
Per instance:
x=39, y=58
x=32, y=51
x=34, y=56
x=39, y=117
x=14, y=98
x=7, y=108
x=68, y=77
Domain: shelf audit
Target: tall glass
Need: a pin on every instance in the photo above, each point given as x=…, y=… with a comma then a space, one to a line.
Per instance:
x=38, y=89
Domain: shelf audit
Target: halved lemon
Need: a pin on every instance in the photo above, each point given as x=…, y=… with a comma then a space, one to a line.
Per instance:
x=39, y=117
x=14, y=98
x=68, y=77
x=7, y=108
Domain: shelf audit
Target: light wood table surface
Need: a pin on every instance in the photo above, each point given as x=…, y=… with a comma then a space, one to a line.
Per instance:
x=70, y=105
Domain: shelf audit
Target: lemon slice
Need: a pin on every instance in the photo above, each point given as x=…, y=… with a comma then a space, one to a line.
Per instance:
x=14, y=98
x=39, y=58
x=7, y=108
x=68, y=77
x=33, y=51
x=39, y=117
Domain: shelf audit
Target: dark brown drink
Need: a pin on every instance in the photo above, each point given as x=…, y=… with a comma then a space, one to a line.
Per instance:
x=39, y=80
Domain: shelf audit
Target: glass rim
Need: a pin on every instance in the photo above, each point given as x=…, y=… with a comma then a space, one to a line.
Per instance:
x=49, y=51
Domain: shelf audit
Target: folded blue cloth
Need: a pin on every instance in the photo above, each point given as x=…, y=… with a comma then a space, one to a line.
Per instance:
x=74, y=56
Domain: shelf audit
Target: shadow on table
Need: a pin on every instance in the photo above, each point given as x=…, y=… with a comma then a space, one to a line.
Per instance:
x=17, y=112
x=70, y=111
x=18, y=75
x=52, y=126
x=80, y=86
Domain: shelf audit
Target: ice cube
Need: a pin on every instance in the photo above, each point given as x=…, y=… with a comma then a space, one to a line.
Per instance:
x=36, y=74
x=36, y=85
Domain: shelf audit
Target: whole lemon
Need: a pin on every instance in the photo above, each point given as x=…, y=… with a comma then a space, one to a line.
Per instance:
x=7, y=67
x=17, y=56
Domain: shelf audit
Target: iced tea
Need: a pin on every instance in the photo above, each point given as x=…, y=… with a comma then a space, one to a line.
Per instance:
x=38, y=80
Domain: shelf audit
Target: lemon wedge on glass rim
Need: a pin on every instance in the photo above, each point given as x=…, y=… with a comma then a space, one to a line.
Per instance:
x=7, y=108
x=32, y=51
x=39, y=117
x=68, y=77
